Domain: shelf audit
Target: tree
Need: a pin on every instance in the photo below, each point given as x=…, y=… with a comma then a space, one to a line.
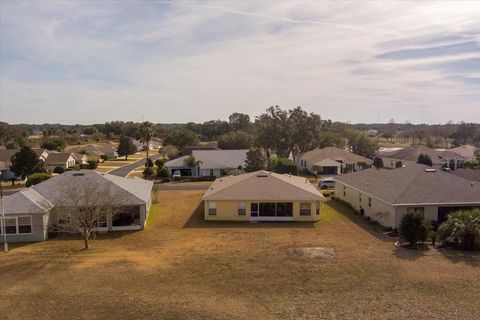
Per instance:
x=159, y=163
x=163, y=174
x=59, y=170
x=240, y=121
x=146, y=133
x=57, y=144
x=272, y=164
x=25, y=162
x=211, y=130
x=191, y=162
x=285, y=165
x=126, y=147
x=181, y=137
x=149, y=163
x=330, y=139
x=36, y=178
x=391, y=130
x=361, y=144
x=378, y=162
x=414, y=228
x=90, y=131
x=273, y=131
x=256, y=160
x=235, y=140
x=11, y=145
x=149, y=172
x=463, y=225
x=83, y=206
x=424, y=159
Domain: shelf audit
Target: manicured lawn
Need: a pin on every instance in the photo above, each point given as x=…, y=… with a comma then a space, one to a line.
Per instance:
x=182, y=267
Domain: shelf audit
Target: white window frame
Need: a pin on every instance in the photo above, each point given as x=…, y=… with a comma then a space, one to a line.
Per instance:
x=17, y=227
x=212, y=208
x=242, y=206
x=309, y=204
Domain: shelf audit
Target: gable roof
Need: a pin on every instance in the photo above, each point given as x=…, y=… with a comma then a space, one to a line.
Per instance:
x=220, y=159
x=466, y=151
x=7, y=154
x=79, y=156
x=262, y=186
x=58, y=157
x=317, y=155
x=412, y=153
x=413, y=185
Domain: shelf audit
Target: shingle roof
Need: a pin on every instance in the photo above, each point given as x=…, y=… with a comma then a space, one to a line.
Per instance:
x=317, y=155
x=413, y=185
x=6, y=154
x=26, y=201
x=214, y=159
x=178, y=162
x=187, y=150
x=126, y=191
x=412, y=153
x=58, y=157
x=466, y=151
x=468, y=174
x=262, y=186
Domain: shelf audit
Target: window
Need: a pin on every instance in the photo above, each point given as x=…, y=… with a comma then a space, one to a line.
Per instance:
x=416, y=210
x=317, y=208
x=128, y=217
x=359, y=197
x=305, y=208
x=212, y=208
x=344, y=191
x=241, y=209
x=370, y=202
x=284, y=209
x=17, y=225
x=254, y=209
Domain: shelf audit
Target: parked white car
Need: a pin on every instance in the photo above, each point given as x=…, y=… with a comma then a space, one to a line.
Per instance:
x=176, y=175
x=326, y=184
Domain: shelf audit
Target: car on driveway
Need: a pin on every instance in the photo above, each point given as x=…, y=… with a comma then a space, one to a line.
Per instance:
x=327, y=184
x=176, y=175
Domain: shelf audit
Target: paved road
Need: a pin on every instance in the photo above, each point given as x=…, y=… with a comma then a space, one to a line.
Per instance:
x=7, y=192
x=179, y=187
x=125, y=170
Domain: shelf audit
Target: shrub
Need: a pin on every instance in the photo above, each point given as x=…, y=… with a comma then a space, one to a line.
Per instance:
x=59, y=170
x=378, y=162
x=149, y=163
x=159, y=163
x=285, y=165
x=104, y=157
x=398, y=164
x=462, y=228
x=163, y=174
x=148, y=173
x=36, y=178
x=92, y=164
x=414, y=228
x=424, y=159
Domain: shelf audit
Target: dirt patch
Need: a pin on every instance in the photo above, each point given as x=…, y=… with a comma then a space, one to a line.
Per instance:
x=313, y=252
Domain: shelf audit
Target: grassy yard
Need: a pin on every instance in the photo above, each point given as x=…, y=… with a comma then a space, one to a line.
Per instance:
x=182, y=267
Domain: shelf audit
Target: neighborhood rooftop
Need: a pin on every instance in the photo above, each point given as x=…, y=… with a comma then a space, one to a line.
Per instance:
x=412, y=153
x=415, y=184
x=262, y=186
x=214, y=159
x=316, y=156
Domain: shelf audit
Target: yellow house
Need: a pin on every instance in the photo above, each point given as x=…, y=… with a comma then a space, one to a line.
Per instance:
x=262, y=196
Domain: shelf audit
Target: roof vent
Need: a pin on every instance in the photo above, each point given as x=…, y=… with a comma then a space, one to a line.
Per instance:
x=430, y=170
x=262, y=175
x=78, y=174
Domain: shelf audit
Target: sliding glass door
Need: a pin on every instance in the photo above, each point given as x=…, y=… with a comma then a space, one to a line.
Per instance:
x=271, y=209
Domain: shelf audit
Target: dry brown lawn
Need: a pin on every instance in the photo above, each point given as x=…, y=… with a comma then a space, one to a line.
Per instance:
x=181, y=267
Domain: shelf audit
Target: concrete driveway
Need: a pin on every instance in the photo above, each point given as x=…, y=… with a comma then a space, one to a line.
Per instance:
x=125, y=170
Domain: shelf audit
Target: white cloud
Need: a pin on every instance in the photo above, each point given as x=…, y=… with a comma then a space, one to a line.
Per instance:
x=174, y=62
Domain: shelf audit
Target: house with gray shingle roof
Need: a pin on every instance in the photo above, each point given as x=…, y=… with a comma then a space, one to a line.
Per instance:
x=386, y=195
x=29, y=212
x=64, y=160
x=262, y=196
x=408, y=156
x=211, y=163
x=7, y=154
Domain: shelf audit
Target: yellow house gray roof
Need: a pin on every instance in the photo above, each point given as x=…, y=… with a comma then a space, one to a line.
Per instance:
x=262, y=186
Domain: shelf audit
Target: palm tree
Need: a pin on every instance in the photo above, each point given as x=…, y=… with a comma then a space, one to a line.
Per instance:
x=146, y=133
x=463, y=225
x=191, y=162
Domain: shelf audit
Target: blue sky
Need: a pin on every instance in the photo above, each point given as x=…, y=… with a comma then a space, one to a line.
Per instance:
x=94, y=61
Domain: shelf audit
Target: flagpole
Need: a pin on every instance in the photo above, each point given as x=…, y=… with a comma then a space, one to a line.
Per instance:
x=4, y=226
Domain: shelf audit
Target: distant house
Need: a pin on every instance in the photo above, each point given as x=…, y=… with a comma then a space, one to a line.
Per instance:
x=211, y=163
x=262, y=196
x=96, y=150
x=80, y=158
x=60, y=159
x=406, y=156
x=466, y=151
x=187, y=150
x=28, y=211
x=331, y=160
x=6, y=155
x=372, y=133
x=387, y=195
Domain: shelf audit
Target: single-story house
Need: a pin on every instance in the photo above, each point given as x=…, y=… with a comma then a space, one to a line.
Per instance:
x=466, y=151
x=211, y=163
x=29, y=212
x=262, y=196
x=387, y=195
x=60, y=159
x=96, y=150
x=331, y=160
x=6, y=155
x=407, y=156
x=80, y=158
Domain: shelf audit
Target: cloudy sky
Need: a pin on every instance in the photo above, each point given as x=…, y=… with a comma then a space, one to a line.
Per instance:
x=93, y=61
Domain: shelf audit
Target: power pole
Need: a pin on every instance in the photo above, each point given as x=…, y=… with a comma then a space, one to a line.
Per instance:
x=4, y=226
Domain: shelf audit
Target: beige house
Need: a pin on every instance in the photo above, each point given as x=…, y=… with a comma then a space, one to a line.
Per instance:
x=262, y=196
x=387, y=195
x=80, y=158
x=409, y=156
x=331, y=160
x=60, y=159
